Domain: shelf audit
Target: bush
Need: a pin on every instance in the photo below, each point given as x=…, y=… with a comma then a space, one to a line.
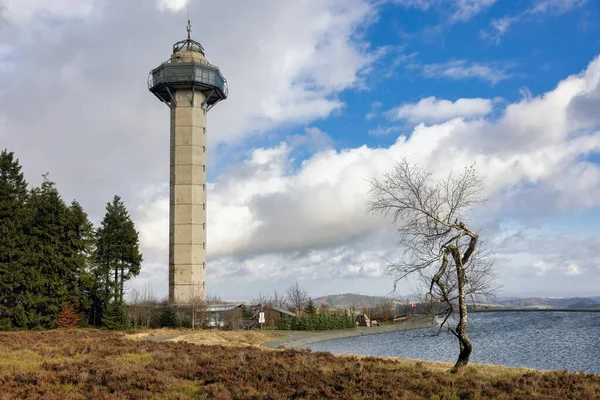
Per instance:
x=317, y=322
x=68, y=318
x=169, y=318
x=115, y=317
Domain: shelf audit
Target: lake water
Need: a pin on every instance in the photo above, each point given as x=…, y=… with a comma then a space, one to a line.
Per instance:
x=541, y=340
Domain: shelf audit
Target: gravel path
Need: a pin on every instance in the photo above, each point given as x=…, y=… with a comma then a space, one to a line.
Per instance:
x=297, y=339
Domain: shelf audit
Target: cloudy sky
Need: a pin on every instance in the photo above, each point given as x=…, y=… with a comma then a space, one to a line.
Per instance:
x=324, y=94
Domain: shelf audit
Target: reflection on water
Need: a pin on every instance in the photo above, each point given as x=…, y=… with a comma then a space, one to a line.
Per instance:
x=542, y=340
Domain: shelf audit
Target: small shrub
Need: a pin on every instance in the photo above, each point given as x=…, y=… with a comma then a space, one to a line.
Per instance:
x=68, y=318
x=169, y=318
x=115, y=318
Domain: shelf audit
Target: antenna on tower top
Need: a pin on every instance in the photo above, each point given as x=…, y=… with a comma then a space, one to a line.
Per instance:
x=189, y=25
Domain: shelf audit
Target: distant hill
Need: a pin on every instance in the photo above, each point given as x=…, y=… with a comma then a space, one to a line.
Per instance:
x=550, y=302
x=348, y=299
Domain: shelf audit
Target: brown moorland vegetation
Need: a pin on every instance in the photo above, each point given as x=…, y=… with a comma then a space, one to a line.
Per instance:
x=85, y=364
x=239, y=338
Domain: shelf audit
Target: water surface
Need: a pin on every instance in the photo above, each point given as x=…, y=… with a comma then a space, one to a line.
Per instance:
x=542, y=340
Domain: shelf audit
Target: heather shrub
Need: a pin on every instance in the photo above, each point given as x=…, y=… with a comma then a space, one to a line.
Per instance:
x=93, y=364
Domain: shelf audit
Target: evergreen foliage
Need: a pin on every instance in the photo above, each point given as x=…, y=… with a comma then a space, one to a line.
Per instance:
x=310, y=308
x=117, y=251
x=169, y=318
x=317, y=322
x=50, y=255
x=115, y=317
x=13, y=197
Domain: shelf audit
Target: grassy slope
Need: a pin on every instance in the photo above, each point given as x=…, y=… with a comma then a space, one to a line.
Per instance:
x=94, y=364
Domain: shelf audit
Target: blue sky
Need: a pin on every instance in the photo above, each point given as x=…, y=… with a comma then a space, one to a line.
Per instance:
x=323, y=95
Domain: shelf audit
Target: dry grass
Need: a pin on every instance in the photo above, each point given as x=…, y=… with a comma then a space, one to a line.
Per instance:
x=228, y=338
x=79, y=364
x=146, y=333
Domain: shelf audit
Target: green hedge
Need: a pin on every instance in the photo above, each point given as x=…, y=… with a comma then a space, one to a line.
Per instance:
x=316, y=322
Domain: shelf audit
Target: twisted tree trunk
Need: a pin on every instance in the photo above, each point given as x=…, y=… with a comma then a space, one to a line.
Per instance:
x=461, y=329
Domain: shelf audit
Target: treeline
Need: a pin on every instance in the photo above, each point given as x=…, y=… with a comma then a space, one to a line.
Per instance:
x=55, y=266
x=317, y=322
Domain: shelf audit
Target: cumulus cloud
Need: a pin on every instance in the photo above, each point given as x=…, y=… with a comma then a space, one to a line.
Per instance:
x=531, y=155
x=99, y=131
x=574, y=270
x=96, y=127
x=542, y=267
x=432, y=110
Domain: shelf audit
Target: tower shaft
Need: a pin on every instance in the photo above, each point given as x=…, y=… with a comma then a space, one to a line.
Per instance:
x=187, y=205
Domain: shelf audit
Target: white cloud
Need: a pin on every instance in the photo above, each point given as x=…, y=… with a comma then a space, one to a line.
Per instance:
x=381, y=130
x=285, y=63
x=421, y=4
x=432, y=110
x=540, y=8
x=464, y=69
x=172, y=5
x=464, y=10
x=22, y=10
x=458, y=10
x=313, y=140
x=542, y=267
x=375, y=107
x=556, y=6
x=574, y=270
x=267, y=210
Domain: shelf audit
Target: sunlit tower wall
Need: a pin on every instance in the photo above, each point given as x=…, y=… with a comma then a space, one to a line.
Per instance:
x=190, y=86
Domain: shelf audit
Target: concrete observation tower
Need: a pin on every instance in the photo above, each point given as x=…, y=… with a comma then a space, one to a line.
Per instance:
x=190, y=86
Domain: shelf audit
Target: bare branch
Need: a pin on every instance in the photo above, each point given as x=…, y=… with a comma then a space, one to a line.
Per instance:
x=430, y=217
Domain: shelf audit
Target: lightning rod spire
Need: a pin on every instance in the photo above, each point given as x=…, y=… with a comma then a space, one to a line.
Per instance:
x=189, y=25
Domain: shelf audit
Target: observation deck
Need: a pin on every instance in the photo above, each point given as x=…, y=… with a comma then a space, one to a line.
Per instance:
x=188, y=70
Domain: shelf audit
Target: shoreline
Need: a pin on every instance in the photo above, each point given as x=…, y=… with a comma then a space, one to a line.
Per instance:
x=298, y=339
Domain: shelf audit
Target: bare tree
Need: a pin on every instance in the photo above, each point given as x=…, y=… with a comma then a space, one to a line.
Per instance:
x=278, y=300
x=197, y=305
x=214, y=299
x=261, y=299
x=439, y=246
x=297, y=297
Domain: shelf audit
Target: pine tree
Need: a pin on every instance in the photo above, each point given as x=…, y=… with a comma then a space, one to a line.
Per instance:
x=115, y=317
x=169, y=318
x=13, y=197
x=79, y=242
x=310, y=308
x=117, y=252
x=53, y=273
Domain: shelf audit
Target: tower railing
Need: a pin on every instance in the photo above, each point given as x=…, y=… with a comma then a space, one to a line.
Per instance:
x=186, y=69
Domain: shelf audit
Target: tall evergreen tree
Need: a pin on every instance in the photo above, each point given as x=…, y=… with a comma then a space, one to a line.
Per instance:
x=117, y=252
x=55, y=259
x=13, y=197
x=310, y=308
x=79, y=242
